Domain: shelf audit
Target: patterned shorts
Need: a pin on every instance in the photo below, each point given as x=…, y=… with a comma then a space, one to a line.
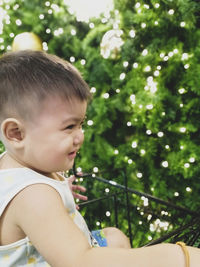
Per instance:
x=99, y=236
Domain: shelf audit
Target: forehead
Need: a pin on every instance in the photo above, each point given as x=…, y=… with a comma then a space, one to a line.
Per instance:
x=62, y=109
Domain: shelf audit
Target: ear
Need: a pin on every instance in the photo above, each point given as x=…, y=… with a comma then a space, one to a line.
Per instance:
x=13, y=131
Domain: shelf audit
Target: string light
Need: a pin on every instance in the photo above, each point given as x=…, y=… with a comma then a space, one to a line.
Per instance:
x=125, y=64
x=106, y=95
x=116, y=152
x=72, y=59
x=95, y=169
x=165, y=164
x=176, y=194
x=182, y=24
x=135, y=65
x=93, y=90
x=73, y=32
x=122, y=76
x=188, y=189
x=157, y=5
x=192, y=159
x=134, y=144
x=187, y=165
x=90, y=123
x=83, y=61
x=132, y=33
x=139, y=175
x=171, y=12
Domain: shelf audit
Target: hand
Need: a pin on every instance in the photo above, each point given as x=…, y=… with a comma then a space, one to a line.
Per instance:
x=74, y=188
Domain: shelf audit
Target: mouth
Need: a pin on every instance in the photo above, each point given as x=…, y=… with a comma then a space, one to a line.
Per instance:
x=72, y=154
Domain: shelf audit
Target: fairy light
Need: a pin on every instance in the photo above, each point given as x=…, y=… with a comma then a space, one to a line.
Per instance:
x=176, y=194
x=48, y=31
x=73, y=32
x=165, y=164
x=129, y=123
x=170, y=54
x=106, y=95
x=149, y=237
x=95, y=169
x=41, y=16
x=186, y=66
x=134, y=144
x=122, y=76
x=116, y=152
x=175, y=51
x=98, y=223
x=182, y=24
x=45, y=46
x=181, y=147
x=137, y=5
x=158, y=67
x=192, y=160
x=148, y=132
x=182, y=129
x=135, y=65
x=143, y=25
x=188, y=189
x=58, y=32
x=125, y=64
x=132, y=33
x=149, y=107
x=83, y=61
x=55, y=7
x=184, y=56
x=147, y=68
x=167, y=146
x=165, y=58
x=90, y=122
x=187, y=165
x=72, y=59
x=107, y=190
x=117, y=90
x=50, y=11
x=144, y=52
x=18, y=22
x=130, y=161
x=93, y=90
x=47, y=3
x=157, y=5
x=181, y=90
x=91, y=25
x=156, y=22
x=108, y=213
x=171, y=12
x=139, y=175
x=146, y=6
x=156, y=73
x=79, y=169
x=162, y=55
x=160, y=134
x=142, y=152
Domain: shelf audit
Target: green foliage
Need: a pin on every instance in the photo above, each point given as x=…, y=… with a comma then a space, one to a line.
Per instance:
x=148, y=121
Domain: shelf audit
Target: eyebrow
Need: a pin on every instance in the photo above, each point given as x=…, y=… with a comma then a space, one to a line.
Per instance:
x=76, y=119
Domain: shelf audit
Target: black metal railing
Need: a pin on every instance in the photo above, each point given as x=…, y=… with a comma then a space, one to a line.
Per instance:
x=146, y=224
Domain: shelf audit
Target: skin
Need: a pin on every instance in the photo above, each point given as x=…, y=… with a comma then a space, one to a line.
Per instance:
x=57, y=135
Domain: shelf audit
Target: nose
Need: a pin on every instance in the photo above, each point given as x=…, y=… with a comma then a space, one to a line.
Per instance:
x=78, y=137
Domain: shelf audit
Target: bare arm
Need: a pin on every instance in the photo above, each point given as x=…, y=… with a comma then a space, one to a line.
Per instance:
x=46, y=222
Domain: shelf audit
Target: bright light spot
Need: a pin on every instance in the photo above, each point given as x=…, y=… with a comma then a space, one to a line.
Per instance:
x=89, y=9
x=181, y=105
x=156, y=73
x=162, y=55
x=125, y=64
x=91, y=25
x=73, y=32
x=50, y=11
x=158, y=67
x=107, y=190
x=165, y=58
x=187, y=165
x=95, y=169
x=134, y=144
x=186, y=66
x=79, y=169
x=72, y=59
x=137, y=5
x=167, y=146
x=144, y=52
x=142, y=151
x=175, y=51
x=165, y=164
x=182, y=129
x=156, y=22
x=48, y=30
x=160, y=134
x=149, y=107
x=47, y=3
x=106, y=95
x=139, y=175
x=132, y=98
x=45, y=46
x=140, y=222
x=149, y=132
x=185, y=56
x=41, y=16
x=176, y=194
x=181, y=147
x=129, y=123
x=157, y=5
x=188, y=189
x=192, y=159
x=108, y=213
x=171, y=12
x=18, y=22
x=182, y=24
x=135, y=65
x=146, y=6
x=130, y=161
x=147, y=68
x=55, y=7
x=117, y=90
x=122, y=76
x=150, y=238
x=83, y=61
x=93, y=90
x=58, y=32
x=132, y=33
x=116, y=152
x=181, y=90
x=98, y=223
x=143, y=25
x=90, y=123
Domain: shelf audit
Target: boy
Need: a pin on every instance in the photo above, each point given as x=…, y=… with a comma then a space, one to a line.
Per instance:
x=43, y=102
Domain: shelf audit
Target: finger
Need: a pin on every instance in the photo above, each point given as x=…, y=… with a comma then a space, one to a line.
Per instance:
x=78, y=188
x=79, y=196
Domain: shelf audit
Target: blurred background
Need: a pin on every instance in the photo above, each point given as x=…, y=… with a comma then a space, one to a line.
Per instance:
x=141, y=60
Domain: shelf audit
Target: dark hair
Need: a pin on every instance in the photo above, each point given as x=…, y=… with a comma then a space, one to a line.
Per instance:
x=29, y=77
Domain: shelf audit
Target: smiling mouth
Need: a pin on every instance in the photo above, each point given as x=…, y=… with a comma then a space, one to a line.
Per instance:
x=72, y=154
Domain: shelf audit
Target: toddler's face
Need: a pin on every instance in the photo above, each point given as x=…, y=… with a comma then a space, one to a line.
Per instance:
x=53, y=139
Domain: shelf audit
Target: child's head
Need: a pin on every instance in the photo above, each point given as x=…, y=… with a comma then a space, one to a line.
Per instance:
x=39, y=92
